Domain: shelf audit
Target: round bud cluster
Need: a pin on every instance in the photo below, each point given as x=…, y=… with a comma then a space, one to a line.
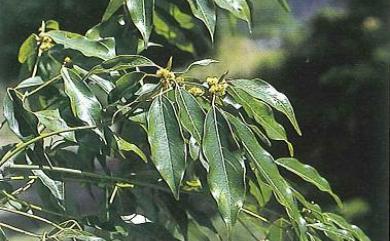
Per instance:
x=216, y=86
x=196, y=91
x=45, y=43
x=68, y=62
x=167, y=77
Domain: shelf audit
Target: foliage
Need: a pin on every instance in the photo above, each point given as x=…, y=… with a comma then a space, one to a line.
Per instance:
x=186, y=155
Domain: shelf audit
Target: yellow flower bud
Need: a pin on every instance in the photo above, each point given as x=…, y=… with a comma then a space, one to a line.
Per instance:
x=196, y=91
x=212, y=81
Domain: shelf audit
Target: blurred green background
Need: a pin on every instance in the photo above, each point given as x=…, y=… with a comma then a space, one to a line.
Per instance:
x=331, y=58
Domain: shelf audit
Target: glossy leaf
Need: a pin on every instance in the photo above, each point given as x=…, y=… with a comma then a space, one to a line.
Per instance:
x=20, y=121
x=205, y=11
x=342, y=223
x=141, y=12
x=104, y=48
x=226, y=170
x=191, y=115
x=126, y=86
x=238, y=8
x=166, y=143
x=309, y=174
x=263, y=115
x=84, y=103
x=112, y=7
x=262, y=90
x=264, y=163
x=332, y=231
x=260, y=191
x=52, y=120
x=30, y=82
x=106, y=85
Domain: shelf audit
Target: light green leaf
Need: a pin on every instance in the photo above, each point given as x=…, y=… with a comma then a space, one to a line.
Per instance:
x=112, y=7
x=342, y=223
x=191, y=115
x=203, y=62
x=264, y=163
x=124, y=145
x=166, y=143
x=30, y=82
x=84, y=103
x=239, y=8
x=104, y=48
x=277, y=231
x=261, y=191
x=141, y=12
x=226, y=170
x=52, y=25
x=28, y=49
x=121, y=62
x=309, y=174
x=205, y=11
x=262, y=113
x=262, y=90
x=52, y=120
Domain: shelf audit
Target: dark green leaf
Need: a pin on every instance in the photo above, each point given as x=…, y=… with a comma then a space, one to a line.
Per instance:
x=126, y=85
x=203, y=62
x=260, y=191
x=166, y=143
x=262, y=90
x=2, y=235
x=52, y=120
x=191, y=115
x=106, y=85
x=332, y=231
x=277, y=231
x=238, y=8
x=309, y=174
x=84, y=103
x=104, y=48
x=262, y=113
x=264, y=163
x=342, y=223
x=22, y=122
x=226, y=172
x=285, y=5
x=141, y=12
x=205, y=11
x=112, y=7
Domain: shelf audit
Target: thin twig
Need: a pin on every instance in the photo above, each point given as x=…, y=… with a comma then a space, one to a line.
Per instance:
x=4, y=225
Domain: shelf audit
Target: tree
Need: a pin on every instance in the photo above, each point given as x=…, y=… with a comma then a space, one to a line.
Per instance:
x=186, y=155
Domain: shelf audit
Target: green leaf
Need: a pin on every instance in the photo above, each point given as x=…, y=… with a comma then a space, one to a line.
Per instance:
x=262, y=90
x=103, y=48
x=309, y=174
x=285, y=5
x=342, y=223
x=52, y=25
x=191, y=115
x=239, y=8
x=166, y=143
x=205, y=11
x=28, y=49
x=69, y=234
x=277, y=231
x=30, y=82
x=106, y=85
x=84, y=103
x=141, y=12
x=332, y=231
x=124, y=145
x=263, y=115
x=52, y=120
x=2, y=235
x=264, y=163
x=121, y=62
x=21, y=122
x=126, y=85
x=203, y=62
x=112, y=7
x=261, y=191
x=226, y=170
